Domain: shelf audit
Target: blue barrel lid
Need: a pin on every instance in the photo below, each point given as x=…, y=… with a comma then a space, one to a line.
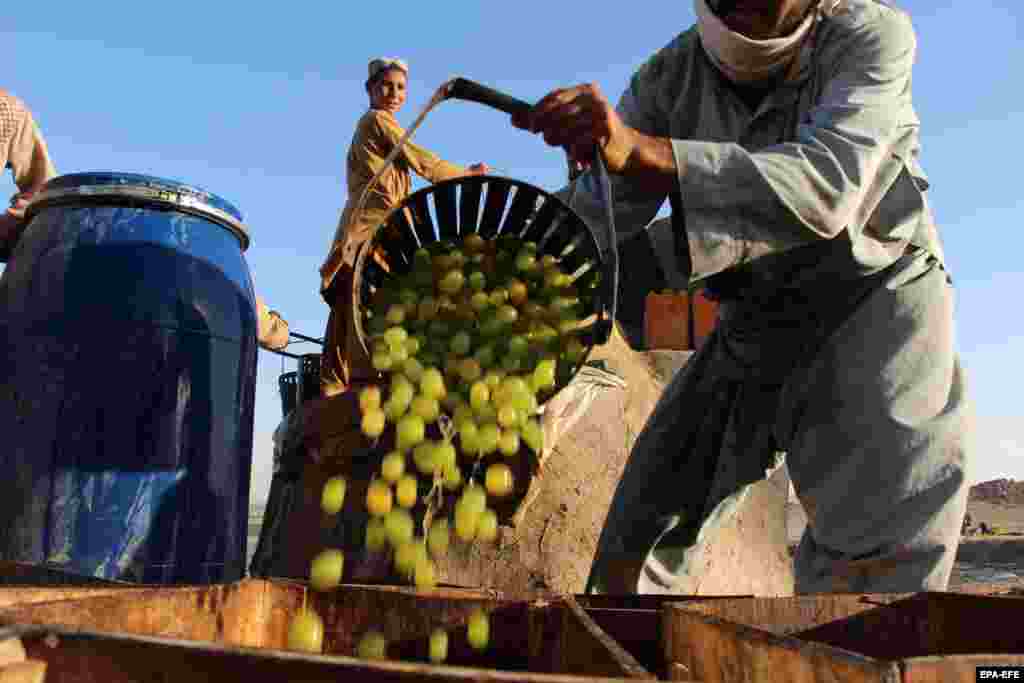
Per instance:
x=145, y=188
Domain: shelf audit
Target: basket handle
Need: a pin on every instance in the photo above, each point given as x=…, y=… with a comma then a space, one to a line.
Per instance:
x=471, y=91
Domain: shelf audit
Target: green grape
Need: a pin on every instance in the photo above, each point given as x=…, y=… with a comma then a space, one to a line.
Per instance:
x=452, y=282
x=376, y=534
x=508, y=443
x=526, y=262
x=327, y=569
x=398, y=356
x=399, y=525
x=517, y=292
x=466, y=521
x=460, y=343
x=493, y=379
x=478, y=631
x=373, y=645
x=452, y=479
x=479, y=302
x=426, y=408
x=395, y=337
x=432, y=384
x=479, y=395
x=518, y=345
x=438, y=538
x=392, y=466
x=378, y=498
x=438, y=646
x=477, y=281
x=544, y=374
x=424, y=457
x=488, y=438
x=410, y=431
x=373, y=423
x=474, y=243
x=485, y=355
x=475, y=497
x=425, y=574
x=487, y=413
x=508, y=416
x=533, y=435
x=381, y=361
x=306, y=632
x=405, y=491
x=408, y=297
x=412, y=368
x=487, y=526
x=333, y=496
x=507, y=314
x=513, y=385
x=499, y=480
x=369, y=398
x=444, y=456
x=463, y=412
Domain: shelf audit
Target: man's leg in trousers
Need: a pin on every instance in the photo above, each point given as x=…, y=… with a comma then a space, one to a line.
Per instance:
x=878, y=431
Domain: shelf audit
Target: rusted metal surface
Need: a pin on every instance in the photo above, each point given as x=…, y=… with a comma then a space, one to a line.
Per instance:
x=922, y=638
x=529, y=637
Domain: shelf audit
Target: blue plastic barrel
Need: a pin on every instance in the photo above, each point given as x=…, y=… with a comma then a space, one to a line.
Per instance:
x=127, y=383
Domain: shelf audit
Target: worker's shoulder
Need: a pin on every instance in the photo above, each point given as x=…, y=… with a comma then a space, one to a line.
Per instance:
x=670, y=59
x=870, y=22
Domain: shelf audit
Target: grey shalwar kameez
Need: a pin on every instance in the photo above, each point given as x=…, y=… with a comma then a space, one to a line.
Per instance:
x=835, y=345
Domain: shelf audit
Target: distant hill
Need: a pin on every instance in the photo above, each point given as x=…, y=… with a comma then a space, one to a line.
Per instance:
x=999, y=491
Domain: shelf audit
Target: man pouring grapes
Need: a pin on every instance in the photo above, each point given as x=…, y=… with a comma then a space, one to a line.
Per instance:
x=784, y=134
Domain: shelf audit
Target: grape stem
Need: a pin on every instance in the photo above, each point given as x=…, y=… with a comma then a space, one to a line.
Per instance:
x=434, y=501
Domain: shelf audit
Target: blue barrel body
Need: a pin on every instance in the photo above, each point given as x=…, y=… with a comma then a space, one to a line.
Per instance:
x=127, y=383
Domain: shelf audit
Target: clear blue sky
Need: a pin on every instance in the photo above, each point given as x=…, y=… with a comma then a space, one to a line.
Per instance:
x=257, y=103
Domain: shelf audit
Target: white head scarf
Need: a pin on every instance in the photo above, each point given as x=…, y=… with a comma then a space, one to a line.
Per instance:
x=745, y=60
x=382, y=63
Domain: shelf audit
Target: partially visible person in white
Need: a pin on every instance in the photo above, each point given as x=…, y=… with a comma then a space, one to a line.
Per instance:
x=23, y=150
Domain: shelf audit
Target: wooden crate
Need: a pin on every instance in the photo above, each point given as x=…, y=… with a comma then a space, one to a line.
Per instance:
x=199, y=630
x=635, y=622
x=920, y=638
x=679, y=322
x=22, y=583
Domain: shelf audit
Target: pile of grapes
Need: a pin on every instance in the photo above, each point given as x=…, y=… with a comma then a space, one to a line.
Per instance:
x=469, y=343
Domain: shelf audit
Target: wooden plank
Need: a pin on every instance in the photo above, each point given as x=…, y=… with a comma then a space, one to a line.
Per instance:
x=24, y=595
x=953, y=669
x=928, y=636
x=11, y=651
x=783, y=616
x=90, y=657
x=541, y=636
x=29, y=671
x=719, y=651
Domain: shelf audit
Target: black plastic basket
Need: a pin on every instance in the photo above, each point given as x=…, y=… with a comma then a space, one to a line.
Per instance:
x=491, y=206
x=309, y=377
x=288, y=386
